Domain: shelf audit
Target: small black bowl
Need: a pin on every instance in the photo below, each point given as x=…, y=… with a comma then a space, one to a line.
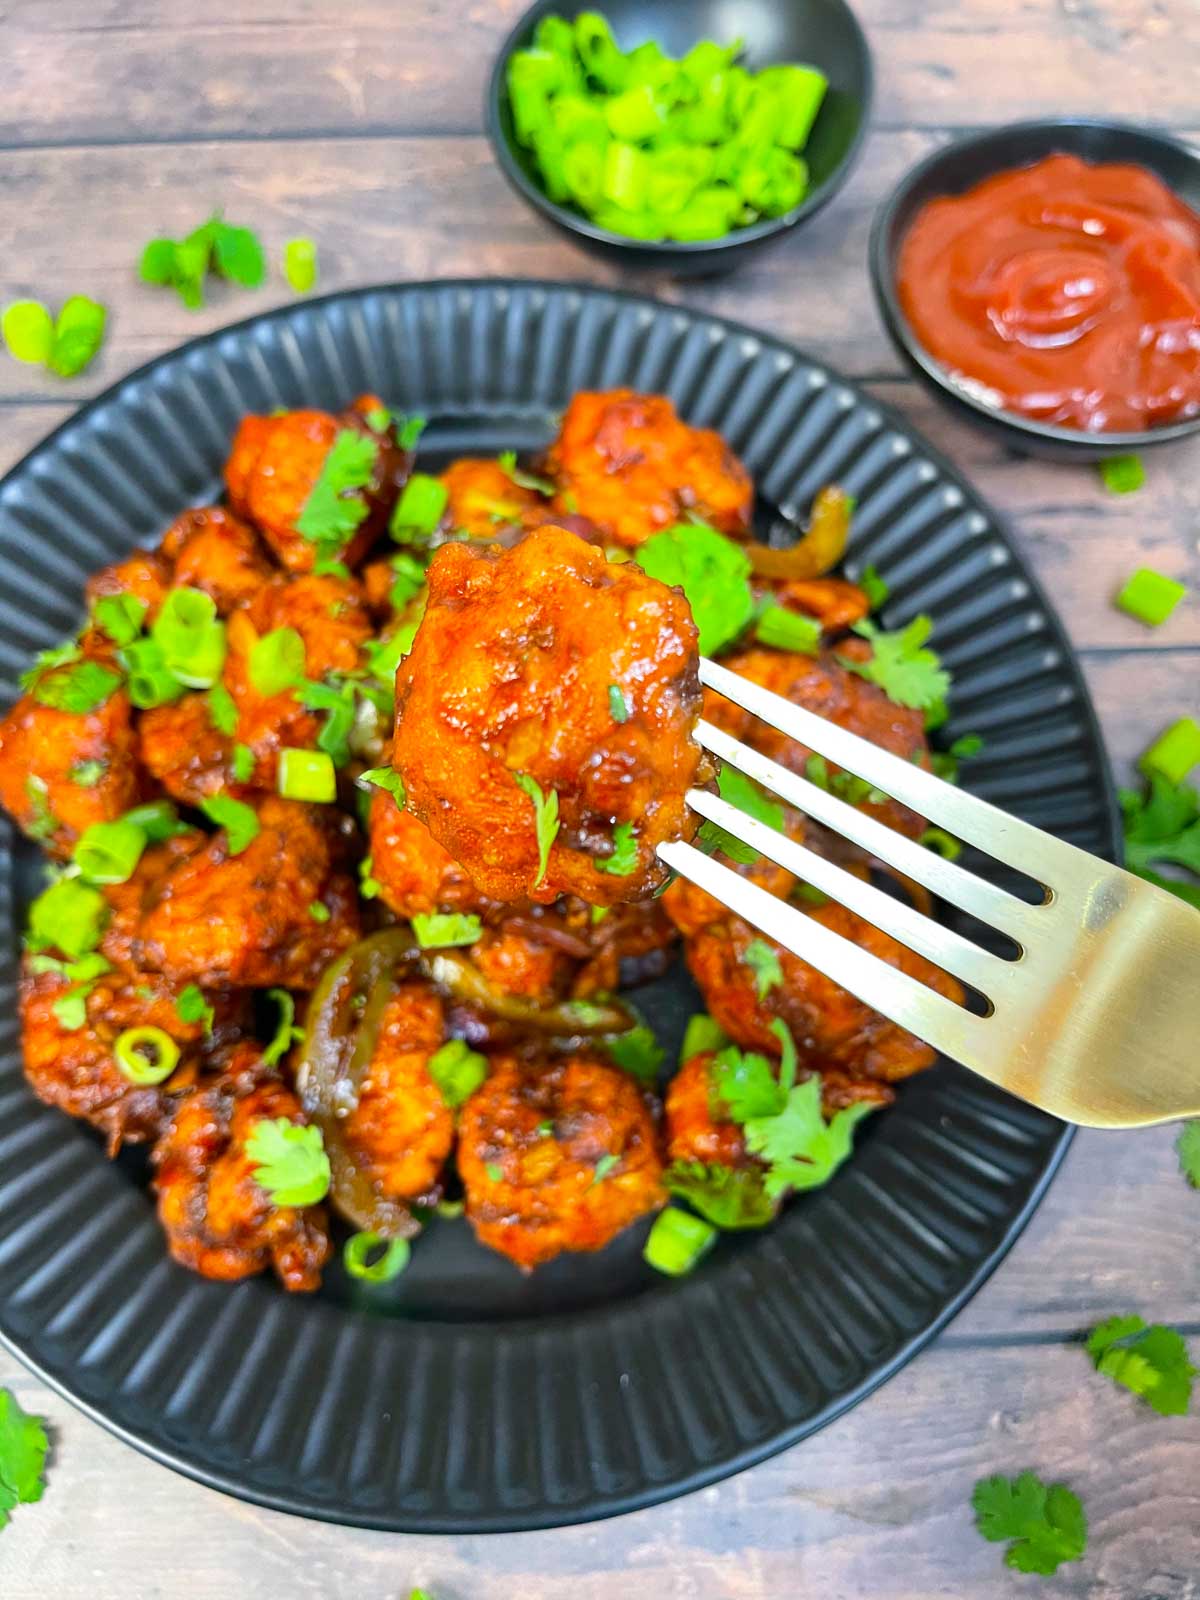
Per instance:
x=823, y=33
x=963, y=164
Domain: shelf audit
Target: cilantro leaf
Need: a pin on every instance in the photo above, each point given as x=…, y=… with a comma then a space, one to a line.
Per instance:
x=801, y=1149
x=873, y=586
x=1047, y=1525
x=908, y=674
x=409, y=430
x=387, y=779
x=23, y=1446
x=763, y=961
x=743, y=1085
x=79, y=688
x=1150, y=1361
x=120, y=616
x=442, y=930
x=637, y=1052
x=242, y=763
x=701, y=1035
x=286, y=1032
x=59, y=656
x=745, y=794
x=624, y=858
x=333, y=511
x=191, y=1006
x=712, y=571
x=1187, y=1148
x=1163, y=825
x=239, y=820
x=545, y=819
x=290, y=1161
x=729, y=1197
x=618, y=706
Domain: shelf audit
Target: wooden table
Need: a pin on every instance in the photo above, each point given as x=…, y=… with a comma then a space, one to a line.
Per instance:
x=357, y=123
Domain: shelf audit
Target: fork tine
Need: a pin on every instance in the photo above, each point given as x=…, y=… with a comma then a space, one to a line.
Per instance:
x=1018, y=844
x=943, y=1024
x=968, y=962
x=941, y=877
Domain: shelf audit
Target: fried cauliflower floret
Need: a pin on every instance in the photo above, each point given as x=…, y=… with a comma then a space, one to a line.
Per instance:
x=628, y=462
x=695, y=1131
x=214, y=918
x=513, y=678
x=218, y=1219
x=482, y=498
x=145, y=574
x=329, y=615
x=556, y=1157
x=831, y=1028
x=276, y=462
x=60, y=771
x=74, y=1068
x=217, y=552
x=835, y=602
x=180, y=748
x=401, y=1130
x=821, y=684
x=415, y=875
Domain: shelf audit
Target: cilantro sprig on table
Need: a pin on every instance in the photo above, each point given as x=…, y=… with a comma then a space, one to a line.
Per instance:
x=216, y=246
x=1149, y=1360
x=1163, y=825
x=1045, y=1523
x=23, y=1446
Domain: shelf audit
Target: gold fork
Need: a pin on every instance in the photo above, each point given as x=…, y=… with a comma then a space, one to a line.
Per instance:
x=1097, y=1020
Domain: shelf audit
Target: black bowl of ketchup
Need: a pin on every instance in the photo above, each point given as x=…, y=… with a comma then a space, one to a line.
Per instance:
x=1044, y=280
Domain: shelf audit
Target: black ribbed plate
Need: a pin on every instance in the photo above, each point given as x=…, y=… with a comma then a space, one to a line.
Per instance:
x=461, y=1397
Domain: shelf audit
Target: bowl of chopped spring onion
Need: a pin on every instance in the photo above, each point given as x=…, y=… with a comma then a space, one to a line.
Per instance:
x=653, y=137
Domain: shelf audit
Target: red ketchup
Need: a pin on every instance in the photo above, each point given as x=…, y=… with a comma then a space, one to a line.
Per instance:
x=1064, y=292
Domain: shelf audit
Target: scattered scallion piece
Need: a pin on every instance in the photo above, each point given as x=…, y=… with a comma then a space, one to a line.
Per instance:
x=1123, y=474
x=1175, y=752
x=277, y=661
x=145, y=1055
x=701, y=1035
x=64, y=345
x=307, y=775
x=108, y=852
x=677, y=1242
x=1150, y=596
x=618, y=706
x=442, y=930
x=371, y=1258
x=149, y=681
x=300, y=264
x=789, y=630
x=238, y=819
x=158, y=820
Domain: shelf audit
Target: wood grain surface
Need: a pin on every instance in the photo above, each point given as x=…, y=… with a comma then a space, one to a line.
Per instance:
x=357, y=124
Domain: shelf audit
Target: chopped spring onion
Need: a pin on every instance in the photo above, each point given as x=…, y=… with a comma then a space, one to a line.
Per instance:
x=145, y=1055
x=158, y=820
x=618, y=706
x=191, y=637
x=1123, y=474
x=149, y=680
x=458, y=1071
x=701, y=1035
x=419, y=508
x=655, y=148
x=677, y=1241
x=300, y=265
x=1175, y=752
x=371, y=1258
x=239, y=820
x=277, y=661
x=788, y=630
x=108, y=852
x=307, y=775
x=1150, y=596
